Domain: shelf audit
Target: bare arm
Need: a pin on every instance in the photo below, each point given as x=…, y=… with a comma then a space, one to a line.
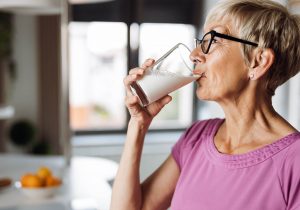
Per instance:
x=158, y=189
x=154, y=193
x=126, y=189
x=128, y=193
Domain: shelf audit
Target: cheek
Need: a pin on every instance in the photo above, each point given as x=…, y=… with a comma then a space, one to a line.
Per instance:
x=225, y=76
x=219, y=72
x=211, y=87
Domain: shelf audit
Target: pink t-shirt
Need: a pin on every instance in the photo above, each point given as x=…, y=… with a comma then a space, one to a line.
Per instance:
x=267, y=178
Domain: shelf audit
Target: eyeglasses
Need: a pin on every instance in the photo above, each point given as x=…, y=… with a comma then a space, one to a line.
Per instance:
x=209, y=38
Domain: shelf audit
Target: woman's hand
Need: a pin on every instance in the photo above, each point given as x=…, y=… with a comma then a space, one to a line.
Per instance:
x=143, y=115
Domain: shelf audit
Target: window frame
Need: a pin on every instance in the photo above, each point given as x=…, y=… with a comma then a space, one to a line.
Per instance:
x=133, y=11
x=132, y=62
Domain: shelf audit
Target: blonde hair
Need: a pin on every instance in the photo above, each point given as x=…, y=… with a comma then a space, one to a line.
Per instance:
x=270, y=25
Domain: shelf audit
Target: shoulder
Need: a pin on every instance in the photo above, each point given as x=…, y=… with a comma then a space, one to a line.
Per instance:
x=288, y=159
x=203, y=127
x=289, y=152
x=196, y=134
x=198, y=130
x=292, y=158
x=290, y=173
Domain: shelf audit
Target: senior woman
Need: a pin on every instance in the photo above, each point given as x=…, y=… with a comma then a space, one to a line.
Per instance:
x=251, y=159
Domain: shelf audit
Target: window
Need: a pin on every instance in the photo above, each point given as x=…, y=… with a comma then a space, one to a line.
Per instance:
x=98, y=64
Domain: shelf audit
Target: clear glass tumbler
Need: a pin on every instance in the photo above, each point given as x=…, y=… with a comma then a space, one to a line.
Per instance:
x=169, y=73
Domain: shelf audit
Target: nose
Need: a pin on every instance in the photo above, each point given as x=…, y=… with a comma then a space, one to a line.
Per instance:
x=196, y=56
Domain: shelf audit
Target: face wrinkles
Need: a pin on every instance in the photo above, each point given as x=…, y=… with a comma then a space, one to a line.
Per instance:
x=223, y=67
x=220, y=48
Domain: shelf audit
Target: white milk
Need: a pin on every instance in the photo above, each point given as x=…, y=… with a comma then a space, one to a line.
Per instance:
x=155, y=85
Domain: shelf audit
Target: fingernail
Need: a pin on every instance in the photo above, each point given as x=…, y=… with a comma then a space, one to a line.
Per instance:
x=149, y=61
x=167, y=100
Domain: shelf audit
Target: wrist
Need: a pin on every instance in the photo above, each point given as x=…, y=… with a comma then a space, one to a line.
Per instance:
x=141, y=125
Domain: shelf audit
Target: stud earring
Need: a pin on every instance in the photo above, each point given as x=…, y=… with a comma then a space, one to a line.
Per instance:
x=251, y=76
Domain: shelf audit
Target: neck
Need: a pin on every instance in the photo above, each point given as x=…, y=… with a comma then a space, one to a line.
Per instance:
x=251, y=120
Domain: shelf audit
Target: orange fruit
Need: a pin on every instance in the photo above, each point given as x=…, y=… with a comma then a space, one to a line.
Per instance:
x=31, y=180
x=52, y=181
x=44, y=172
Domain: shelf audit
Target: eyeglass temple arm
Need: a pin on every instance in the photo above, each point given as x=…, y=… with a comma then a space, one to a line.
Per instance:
x=235, y=39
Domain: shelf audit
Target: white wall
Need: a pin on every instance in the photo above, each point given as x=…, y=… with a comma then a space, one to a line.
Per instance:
x=22, y=92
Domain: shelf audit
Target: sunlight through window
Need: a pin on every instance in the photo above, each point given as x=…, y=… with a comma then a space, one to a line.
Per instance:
x=98, y=64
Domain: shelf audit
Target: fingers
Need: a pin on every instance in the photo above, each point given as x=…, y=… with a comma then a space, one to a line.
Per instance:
x=141, y=70
x=164, y=100
x=131, y=101
x=155, y=107
x=135, y=74
x=128, y=80
x=147, y=63
x=138, y=71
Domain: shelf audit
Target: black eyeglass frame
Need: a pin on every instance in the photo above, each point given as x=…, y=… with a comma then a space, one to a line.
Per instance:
x=224, y=36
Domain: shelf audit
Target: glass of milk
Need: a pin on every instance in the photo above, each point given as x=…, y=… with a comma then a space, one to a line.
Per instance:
x=169, y=73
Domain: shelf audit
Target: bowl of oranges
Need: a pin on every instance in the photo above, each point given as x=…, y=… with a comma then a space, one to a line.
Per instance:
x=41, y=184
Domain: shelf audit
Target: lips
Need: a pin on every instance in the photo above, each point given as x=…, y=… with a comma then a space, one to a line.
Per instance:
x=202, y=75
x=199, y=72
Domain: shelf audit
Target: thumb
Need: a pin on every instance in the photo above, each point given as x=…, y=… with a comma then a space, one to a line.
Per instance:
x=165, y=100
x=155, y=107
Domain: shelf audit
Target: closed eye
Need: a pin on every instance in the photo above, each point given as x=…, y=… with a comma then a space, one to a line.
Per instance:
x=205, y=41
x=214, y=41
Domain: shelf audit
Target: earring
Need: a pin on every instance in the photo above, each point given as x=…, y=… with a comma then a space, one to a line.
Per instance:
x=251, y=76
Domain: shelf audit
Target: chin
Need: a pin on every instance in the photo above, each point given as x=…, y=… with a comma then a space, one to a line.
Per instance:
x=202, y=96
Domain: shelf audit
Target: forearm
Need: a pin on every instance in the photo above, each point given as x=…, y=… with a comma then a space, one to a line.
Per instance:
x=127, y=189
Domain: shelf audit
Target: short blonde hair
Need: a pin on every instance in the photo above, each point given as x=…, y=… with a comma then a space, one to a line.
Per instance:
x=270, y=25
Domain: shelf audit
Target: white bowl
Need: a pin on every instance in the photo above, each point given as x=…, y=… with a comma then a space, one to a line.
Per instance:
x=38, y=193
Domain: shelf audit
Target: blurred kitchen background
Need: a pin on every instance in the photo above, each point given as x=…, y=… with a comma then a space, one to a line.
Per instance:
x=62, y=65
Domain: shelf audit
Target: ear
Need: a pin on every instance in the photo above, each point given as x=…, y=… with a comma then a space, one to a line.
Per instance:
x=261, y=62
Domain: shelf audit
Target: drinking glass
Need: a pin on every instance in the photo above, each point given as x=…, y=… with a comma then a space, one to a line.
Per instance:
x=169, y=73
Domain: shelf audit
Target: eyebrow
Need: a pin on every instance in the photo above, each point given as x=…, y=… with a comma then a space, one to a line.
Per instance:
x=226, y=29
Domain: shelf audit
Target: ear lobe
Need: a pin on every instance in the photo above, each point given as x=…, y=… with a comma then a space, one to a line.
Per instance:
x=261, y=63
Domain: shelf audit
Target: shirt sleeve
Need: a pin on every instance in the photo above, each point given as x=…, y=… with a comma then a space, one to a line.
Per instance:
x=291, y=178
x=177, y=149
x=185, y=144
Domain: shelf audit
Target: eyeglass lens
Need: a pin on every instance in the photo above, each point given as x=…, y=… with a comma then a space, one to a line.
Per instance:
x=206, y=42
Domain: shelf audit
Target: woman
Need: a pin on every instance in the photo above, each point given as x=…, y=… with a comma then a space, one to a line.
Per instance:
x=251, y=159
